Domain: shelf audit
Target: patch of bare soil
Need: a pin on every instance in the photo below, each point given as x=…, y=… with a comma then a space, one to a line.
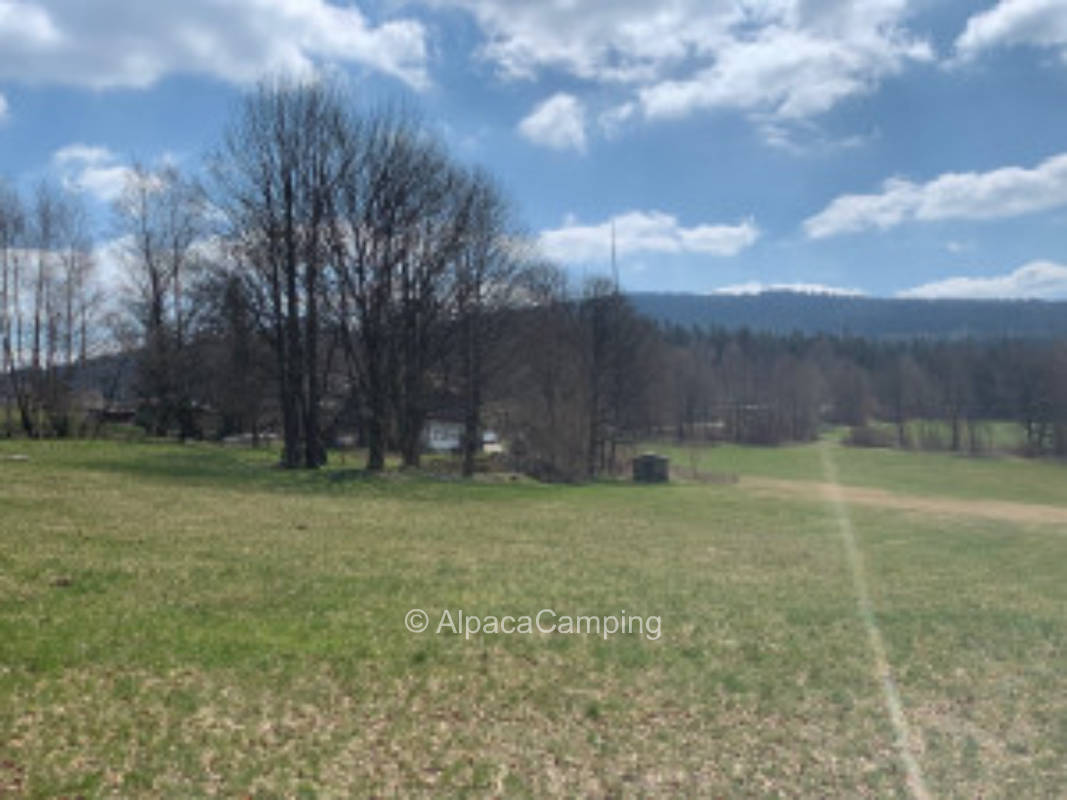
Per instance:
x=1000, y=510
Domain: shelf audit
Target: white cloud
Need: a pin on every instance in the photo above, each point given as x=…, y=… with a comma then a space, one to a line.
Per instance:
x=130, y=43
x=756, y=287
x=113, y=259
x=95, y=170
x=1044, y=280
x=644, y=232
x=790, y=59
x=110, y=257
x=1005, y=192
x=558, y=123
x=3, y=108
x=598, y=40
x=28, y=21
x=805, y=138
x=1041, y=23
x=82, y=154
x=790, y=74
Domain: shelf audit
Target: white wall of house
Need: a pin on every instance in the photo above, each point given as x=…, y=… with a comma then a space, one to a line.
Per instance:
x=445, y=436
x=442, y=436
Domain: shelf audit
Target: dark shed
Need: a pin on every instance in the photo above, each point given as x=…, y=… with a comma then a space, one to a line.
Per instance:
x=651, y=468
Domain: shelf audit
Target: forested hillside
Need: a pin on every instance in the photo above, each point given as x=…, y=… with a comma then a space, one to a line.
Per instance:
x=875, y=317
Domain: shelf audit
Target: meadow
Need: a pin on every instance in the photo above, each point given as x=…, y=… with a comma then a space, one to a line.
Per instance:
x=189, y=621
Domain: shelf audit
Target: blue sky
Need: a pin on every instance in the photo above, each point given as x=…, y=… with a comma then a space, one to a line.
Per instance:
x=886, y=146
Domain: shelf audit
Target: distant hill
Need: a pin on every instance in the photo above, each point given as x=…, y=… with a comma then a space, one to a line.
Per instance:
x=873, y=317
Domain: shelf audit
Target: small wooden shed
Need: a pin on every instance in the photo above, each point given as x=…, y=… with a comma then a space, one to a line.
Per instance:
x=651, y=468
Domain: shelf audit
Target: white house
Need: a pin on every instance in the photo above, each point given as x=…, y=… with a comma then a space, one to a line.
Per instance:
x=441, y=435
x=445, y=435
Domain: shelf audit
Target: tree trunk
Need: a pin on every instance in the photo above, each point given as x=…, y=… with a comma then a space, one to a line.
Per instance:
x=294, y=455
x=376, y=440
x=473, y=398
x=376, y=408
x=314, y=452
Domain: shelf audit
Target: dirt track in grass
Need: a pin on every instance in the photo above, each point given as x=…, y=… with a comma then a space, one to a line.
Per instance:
x=997, y=510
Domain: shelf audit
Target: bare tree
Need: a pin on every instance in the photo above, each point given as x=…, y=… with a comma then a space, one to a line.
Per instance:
x=48, y=219
x=45, y=265
x=549, y=419
x=735, y=376
x=44, y=222
x=426, y=282
x=75, y=302
x=234, y=357
x=595, y=312
x=952, y=370
x=161, y=214
x=851, y=392
x=12, y=228
x=283, y=163
x=1057, y=368
x=688, y=388
x=405, y=216
x=489, y=267
x=906, y=391
x=614, y=348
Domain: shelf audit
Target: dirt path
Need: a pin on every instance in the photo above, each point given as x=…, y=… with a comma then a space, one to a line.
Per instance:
x=1001, y=510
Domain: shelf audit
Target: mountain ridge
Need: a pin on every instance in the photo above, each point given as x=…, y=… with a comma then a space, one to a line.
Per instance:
x=786, y=312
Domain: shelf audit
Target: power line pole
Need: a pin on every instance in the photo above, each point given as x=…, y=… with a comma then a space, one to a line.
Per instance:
x=614, y=263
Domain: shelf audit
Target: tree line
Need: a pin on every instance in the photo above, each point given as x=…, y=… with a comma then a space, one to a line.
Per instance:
x=334, y=271
x=336, y=274
x=932, y=393
x=352, y=257
x=48, y=304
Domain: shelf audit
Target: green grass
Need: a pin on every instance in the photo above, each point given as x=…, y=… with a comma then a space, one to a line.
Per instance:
x=189, y=621
x=994, y=436
x=999, y=477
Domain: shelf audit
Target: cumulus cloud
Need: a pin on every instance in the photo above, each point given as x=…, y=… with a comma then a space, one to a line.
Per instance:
x=790, y=59
x=558, y=123
x=130, y=43
x=1005, y=192
x=756, y=287
x=3, y=108
x=1040, y=23
x=1043, y=280
x=789, y=74
x=619, y=41
x=95, y=170
x=639, y=232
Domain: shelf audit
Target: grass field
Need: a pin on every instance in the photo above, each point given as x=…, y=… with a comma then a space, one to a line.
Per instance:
x=942, y=474
x=187, y=621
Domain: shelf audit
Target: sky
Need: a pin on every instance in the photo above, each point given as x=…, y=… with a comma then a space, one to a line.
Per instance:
x=886, y=147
